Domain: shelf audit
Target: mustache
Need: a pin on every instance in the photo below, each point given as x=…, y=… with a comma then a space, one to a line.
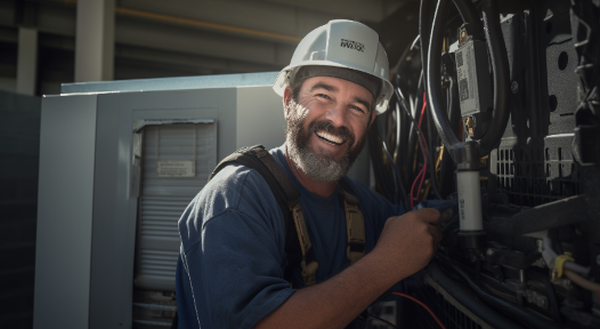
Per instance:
x=324, y=125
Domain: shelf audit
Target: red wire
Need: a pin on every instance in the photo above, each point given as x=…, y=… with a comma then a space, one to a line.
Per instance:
x=412, y=188
x=420, y=120
x=421, y=174
x=423, y=109
x=423, y=170
x=422, y=304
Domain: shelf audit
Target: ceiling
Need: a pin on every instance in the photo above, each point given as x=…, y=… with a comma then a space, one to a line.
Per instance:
x=157, y=38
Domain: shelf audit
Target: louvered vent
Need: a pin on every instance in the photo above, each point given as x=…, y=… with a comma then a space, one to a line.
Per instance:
x=176, y=162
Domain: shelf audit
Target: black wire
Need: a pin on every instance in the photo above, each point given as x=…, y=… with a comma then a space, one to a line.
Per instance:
x=397, y=178
x=514, y=311
x=449, y=224
x=469, y=14
x=554, y=305
x=400, y=181
x=428, y=150
x=421, y=141
x=432, y=142
x=464, y=297
x=386, y=151
x=408, y=77
x=392, y=165
x=381, y=173
x=432, y=68
x=426, y=12
x=382, y=320
x=500, y=67
x=447, y=166
x=412, y=142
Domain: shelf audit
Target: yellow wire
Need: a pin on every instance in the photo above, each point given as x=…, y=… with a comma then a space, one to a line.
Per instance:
x=416, y=157
x=437, y=163
x=427, y=189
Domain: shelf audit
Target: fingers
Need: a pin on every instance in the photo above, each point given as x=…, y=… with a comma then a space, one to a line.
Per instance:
x=435, y=233
x=414, y=235
x=429, y=215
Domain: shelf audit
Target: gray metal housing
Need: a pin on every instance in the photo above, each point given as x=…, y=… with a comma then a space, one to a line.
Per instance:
x=86, y=231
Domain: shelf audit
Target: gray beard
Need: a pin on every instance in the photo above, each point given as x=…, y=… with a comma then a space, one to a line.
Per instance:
x=319, y=167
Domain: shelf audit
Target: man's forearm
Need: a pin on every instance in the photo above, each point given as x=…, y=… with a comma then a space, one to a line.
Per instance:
x=405, y=246
x=337, y=301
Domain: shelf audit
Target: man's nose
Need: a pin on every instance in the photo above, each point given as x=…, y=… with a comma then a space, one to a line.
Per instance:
x=337, y=114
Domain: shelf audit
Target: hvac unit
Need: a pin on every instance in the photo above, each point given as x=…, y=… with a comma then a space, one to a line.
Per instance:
x=119, y=162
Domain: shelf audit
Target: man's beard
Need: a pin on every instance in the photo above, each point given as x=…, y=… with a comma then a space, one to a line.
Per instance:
x=321, y=167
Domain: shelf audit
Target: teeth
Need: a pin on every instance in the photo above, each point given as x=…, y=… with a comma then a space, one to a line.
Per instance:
x=330, y=138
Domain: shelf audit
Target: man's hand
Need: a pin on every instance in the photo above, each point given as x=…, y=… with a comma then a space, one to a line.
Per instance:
x=408, y=242
x=406, y=245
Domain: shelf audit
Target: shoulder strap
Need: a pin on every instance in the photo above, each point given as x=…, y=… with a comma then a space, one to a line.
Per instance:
x=297, y=243
x=355, y=223
x=258, y=158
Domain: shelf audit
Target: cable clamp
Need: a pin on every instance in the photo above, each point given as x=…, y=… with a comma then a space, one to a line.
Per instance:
x=559, y=263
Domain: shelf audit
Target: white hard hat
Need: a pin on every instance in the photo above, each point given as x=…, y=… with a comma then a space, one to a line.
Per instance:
x=344, y=49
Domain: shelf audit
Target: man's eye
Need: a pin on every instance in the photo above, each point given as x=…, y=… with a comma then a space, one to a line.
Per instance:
x=359, y=109
x=323, y=96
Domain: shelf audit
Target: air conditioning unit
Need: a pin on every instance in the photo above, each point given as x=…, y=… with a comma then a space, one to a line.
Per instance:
x=119, y=161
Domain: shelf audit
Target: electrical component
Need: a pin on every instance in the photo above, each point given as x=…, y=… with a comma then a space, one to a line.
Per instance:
x=538, y=65
x=469, y=200
x=474, y=84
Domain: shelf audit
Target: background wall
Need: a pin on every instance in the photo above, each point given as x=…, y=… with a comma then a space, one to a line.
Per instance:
x=153, y=38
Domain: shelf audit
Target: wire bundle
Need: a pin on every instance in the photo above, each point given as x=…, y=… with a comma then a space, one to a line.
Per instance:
x=406, y=142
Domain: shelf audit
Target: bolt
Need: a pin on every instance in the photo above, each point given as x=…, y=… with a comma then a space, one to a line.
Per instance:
x=490, y=252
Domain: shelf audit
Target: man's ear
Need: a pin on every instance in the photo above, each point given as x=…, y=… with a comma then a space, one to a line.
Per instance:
x=287, y=99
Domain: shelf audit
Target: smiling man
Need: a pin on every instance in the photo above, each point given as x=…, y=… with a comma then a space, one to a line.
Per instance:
x=234, y=269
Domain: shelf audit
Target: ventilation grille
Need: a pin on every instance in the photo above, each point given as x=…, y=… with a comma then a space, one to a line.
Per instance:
x=187, y=154
x=450, y=316
x=531, y=176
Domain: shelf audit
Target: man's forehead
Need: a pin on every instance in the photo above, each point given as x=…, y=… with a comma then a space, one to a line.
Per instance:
x=335, y=84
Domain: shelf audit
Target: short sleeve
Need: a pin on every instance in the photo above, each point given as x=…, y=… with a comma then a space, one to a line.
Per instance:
x=236, y=255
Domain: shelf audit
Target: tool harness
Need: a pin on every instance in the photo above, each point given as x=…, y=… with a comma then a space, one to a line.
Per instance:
x=297, y=242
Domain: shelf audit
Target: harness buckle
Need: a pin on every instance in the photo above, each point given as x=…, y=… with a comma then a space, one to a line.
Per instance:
x=308, y=264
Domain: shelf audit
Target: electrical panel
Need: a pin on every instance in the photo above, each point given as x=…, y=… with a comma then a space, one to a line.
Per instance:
x=533, y=261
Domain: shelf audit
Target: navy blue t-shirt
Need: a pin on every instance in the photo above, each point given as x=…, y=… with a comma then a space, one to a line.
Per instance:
x=231, y=271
